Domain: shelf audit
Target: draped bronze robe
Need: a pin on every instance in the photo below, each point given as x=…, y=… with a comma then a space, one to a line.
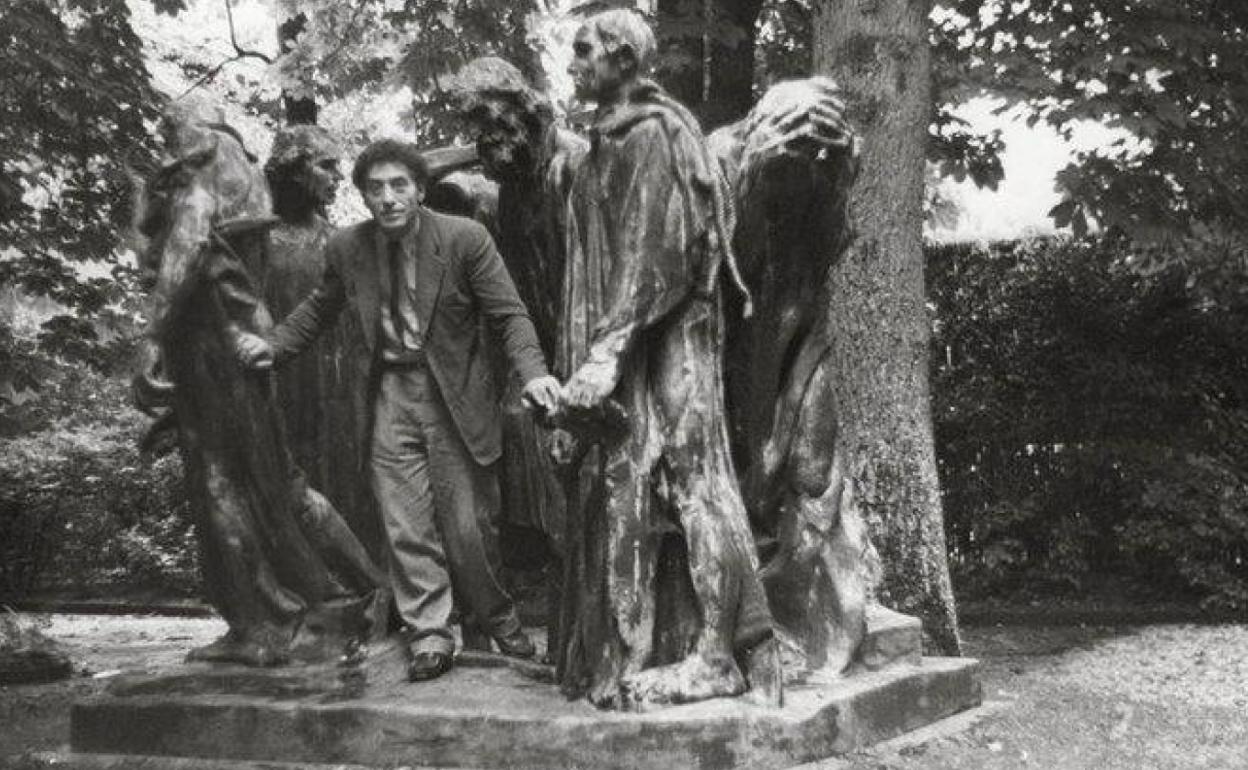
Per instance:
x=323, y=394
x=646, y=232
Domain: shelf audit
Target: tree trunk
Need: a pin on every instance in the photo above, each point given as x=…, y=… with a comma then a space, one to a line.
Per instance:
x=717, y=81
x=684, y=82
x=299, y=109
x=732, y=67
x=877, y=51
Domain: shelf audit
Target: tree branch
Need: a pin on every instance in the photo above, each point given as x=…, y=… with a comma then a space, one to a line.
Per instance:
x=207, y=76
x=242, y=53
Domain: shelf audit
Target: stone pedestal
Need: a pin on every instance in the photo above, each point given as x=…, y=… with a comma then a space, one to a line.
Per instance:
x=491, y=713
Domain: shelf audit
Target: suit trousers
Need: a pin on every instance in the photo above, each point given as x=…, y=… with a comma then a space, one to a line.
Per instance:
x=438, y=508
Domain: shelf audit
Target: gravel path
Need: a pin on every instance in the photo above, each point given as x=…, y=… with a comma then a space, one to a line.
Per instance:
x=1182, y=667
x=102, y=644
x=1099, y=698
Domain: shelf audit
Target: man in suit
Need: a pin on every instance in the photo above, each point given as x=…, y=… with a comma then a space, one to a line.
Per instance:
x=420, y=283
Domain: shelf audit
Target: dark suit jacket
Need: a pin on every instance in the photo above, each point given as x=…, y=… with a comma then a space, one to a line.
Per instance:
x=460, y=279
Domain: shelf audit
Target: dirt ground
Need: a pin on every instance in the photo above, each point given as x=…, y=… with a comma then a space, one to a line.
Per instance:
x=1103, y=698
x=36, y=717
x=1166, y=696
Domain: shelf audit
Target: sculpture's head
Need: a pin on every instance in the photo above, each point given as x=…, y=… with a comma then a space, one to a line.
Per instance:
x=303, y=172
x=206, y=188
x=509, y=118
x=611, y=49
x=794, y=143
x=207, y=182
x=791, y=164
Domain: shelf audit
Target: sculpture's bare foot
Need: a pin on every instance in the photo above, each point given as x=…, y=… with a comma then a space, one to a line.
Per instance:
x=764, y=673
x=605, y=694
x=231, y=649
x=220, y=650
x=693, y=679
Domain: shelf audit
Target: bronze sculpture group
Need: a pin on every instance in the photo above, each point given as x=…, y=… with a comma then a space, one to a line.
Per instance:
x=685, y=471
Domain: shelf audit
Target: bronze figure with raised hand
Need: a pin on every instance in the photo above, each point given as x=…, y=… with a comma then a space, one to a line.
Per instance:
x=791, y=162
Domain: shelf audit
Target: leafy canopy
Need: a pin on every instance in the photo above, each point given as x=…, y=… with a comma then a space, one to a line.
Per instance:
x=369, y=44
x=1171, y=73
x=76, y=105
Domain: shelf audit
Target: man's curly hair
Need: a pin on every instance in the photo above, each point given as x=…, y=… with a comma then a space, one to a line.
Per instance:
x=390, y=151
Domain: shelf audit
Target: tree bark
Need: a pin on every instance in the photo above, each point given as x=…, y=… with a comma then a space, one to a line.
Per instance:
x=732, y=67
x=683, y=82
x=727, y=69
x=877, y=51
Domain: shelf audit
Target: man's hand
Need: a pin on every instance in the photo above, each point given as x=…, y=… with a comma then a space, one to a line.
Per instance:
x=253, y=351
x=542, y=393
x=590, y=385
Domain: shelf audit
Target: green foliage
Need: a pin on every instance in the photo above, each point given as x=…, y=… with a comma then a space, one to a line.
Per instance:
x=49, y=389
x=784, y=38
x=78, y=506
x=1172, y=73
x=370, y=44
x=75, y=107
x=1192, y=525
x=23, y=634
x=1091, y=418
x=954, y=147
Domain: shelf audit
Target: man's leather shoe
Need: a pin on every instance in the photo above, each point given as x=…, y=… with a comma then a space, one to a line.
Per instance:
x=428, y=665
x=515, y=645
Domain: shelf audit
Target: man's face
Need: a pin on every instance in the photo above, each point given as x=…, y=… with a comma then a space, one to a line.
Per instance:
x=595, y=74
x=323, y=178
x=503, y=141
x=392, y=195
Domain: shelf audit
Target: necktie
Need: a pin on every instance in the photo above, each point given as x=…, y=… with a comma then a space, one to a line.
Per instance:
x=398, y=288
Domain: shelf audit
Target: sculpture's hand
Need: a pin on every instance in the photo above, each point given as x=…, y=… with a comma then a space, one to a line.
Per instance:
x=590, y=385
x=797, y=115
x=542, y=393
x=253, y=351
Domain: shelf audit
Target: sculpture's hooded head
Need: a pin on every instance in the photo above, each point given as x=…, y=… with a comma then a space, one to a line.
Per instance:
x=206, y=190
x=207, y=183
x=509, y=117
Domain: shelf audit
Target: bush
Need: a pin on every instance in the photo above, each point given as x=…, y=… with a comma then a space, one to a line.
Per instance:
x=79, y=508
x=1090, y=420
